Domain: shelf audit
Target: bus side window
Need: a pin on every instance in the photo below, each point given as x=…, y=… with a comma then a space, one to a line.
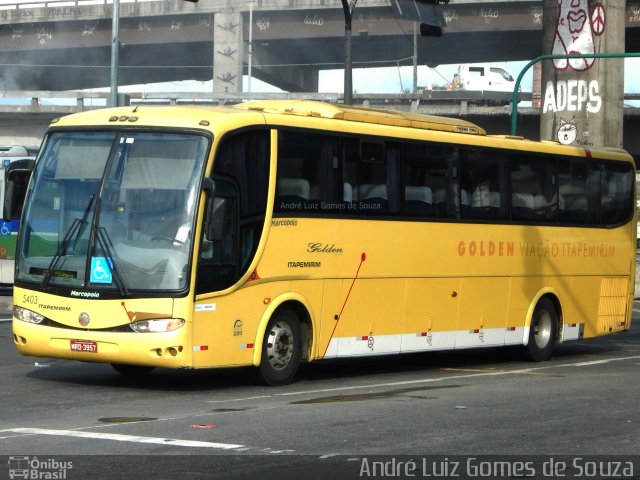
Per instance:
x=307, y=172
x=483, y=184
x=534, y=188
x=617, y=190
x=371, y=169
x=574, y=205
x=427, y=185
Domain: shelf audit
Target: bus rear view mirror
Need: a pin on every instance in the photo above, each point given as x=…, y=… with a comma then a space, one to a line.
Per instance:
x=214, y=226
x=7, y=207
x=16, y=179
x=215, y=214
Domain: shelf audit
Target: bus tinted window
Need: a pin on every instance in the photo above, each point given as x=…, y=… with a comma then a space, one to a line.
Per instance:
x=370, y=171
x=533, y=188
x=307, y=173
x=578, y=191
x=245, y=157
x=616, y=190
x=428, y=182
x=483, y=184
x=339, y=175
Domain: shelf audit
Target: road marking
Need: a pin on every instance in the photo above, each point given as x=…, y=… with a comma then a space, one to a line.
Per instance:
x=125, y=438
x=451, y=369
x=258, y=397
x=520, y=371
x=601, y=362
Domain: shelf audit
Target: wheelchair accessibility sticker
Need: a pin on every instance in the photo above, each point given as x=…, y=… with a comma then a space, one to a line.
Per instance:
x=100, y=271
x=8, y=228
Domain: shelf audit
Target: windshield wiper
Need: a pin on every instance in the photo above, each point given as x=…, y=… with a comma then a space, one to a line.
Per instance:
x=74, y=230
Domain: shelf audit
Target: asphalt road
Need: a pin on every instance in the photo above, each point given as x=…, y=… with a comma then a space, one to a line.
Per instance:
x=336, y=421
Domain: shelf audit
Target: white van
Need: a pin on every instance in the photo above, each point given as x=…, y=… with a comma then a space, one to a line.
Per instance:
x=485, y=78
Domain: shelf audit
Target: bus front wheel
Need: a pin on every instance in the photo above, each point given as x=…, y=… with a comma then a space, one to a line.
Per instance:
x=543, y=331
x=281, y=348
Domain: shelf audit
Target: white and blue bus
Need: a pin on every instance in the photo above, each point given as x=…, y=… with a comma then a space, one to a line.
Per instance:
x=16, y=165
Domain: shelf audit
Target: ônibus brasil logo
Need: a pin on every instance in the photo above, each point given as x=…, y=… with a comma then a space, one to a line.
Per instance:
x=38, y=469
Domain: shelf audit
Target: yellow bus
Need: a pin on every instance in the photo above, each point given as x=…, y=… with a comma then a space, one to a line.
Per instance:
x=279, y=232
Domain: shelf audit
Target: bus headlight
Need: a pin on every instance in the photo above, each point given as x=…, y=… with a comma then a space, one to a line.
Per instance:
x=27, y=315
x=157, y=326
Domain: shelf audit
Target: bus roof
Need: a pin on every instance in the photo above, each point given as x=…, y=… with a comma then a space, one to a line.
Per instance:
x=312, y=108
x=205, y=117
x=170, y=116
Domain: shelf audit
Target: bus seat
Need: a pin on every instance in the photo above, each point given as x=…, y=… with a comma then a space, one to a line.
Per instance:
x=369, y=191
x=485, y=198
x=573, y=207
x=465, y=202
x=417, y=200
x=347, y=195
x=373, y=197
x=291, y=191
x=439, y=205
x=522, y=205
x=484, y=203
x=573, y=201
x=464, y=197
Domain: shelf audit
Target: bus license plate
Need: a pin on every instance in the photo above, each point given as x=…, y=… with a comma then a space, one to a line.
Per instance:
x=88, y=346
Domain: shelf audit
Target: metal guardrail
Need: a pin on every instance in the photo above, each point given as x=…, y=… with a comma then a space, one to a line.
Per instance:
x=242, y=4
x=40, y=100
x=438, y=101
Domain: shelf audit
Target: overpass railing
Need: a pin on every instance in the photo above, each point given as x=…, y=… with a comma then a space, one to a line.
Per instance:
x=434, y=102
x=75, y=101
x=242, y=4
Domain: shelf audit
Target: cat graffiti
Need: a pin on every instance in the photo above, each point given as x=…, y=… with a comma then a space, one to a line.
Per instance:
x=568, y=132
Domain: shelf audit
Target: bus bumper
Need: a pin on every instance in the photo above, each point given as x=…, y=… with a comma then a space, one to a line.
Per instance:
x=167, y=349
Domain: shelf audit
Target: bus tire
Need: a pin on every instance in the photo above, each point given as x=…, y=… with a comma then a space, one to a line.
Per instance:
x=281, y=348
x=543, y=331
x=132, y=370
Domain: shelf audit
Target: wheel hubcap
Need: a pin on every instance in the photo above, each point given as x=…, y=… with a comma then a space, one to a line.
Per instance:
x=280, y=345
x=542, y=329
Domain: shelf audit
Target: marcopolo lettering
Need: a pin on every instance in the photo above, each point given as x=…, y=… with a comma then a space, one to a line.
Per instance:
x=76, y=293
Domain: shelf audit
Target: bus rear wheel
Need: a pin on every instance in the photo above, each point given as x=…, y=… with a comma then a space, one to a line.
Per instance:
x=281, y=348
x=543, y=331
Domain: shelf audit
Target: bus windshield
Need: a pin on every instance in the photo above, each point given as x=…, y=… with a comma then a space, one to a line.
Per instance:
x=112, y=211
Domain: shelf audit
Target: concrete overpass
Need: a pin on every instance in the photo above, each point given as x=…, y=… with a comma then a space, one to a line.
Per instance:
x=66, y=45
x=26, y=124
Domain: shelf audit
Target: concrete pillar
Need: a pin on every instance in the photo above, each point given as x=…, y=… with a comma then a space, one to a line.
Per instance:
x=582, y=99
x=228, y=52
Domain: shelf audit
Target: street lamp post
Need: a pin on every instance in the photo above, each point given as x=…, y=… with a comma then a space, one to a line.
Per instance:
x=250, y=52
x=348, y=79
x=115, y=43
